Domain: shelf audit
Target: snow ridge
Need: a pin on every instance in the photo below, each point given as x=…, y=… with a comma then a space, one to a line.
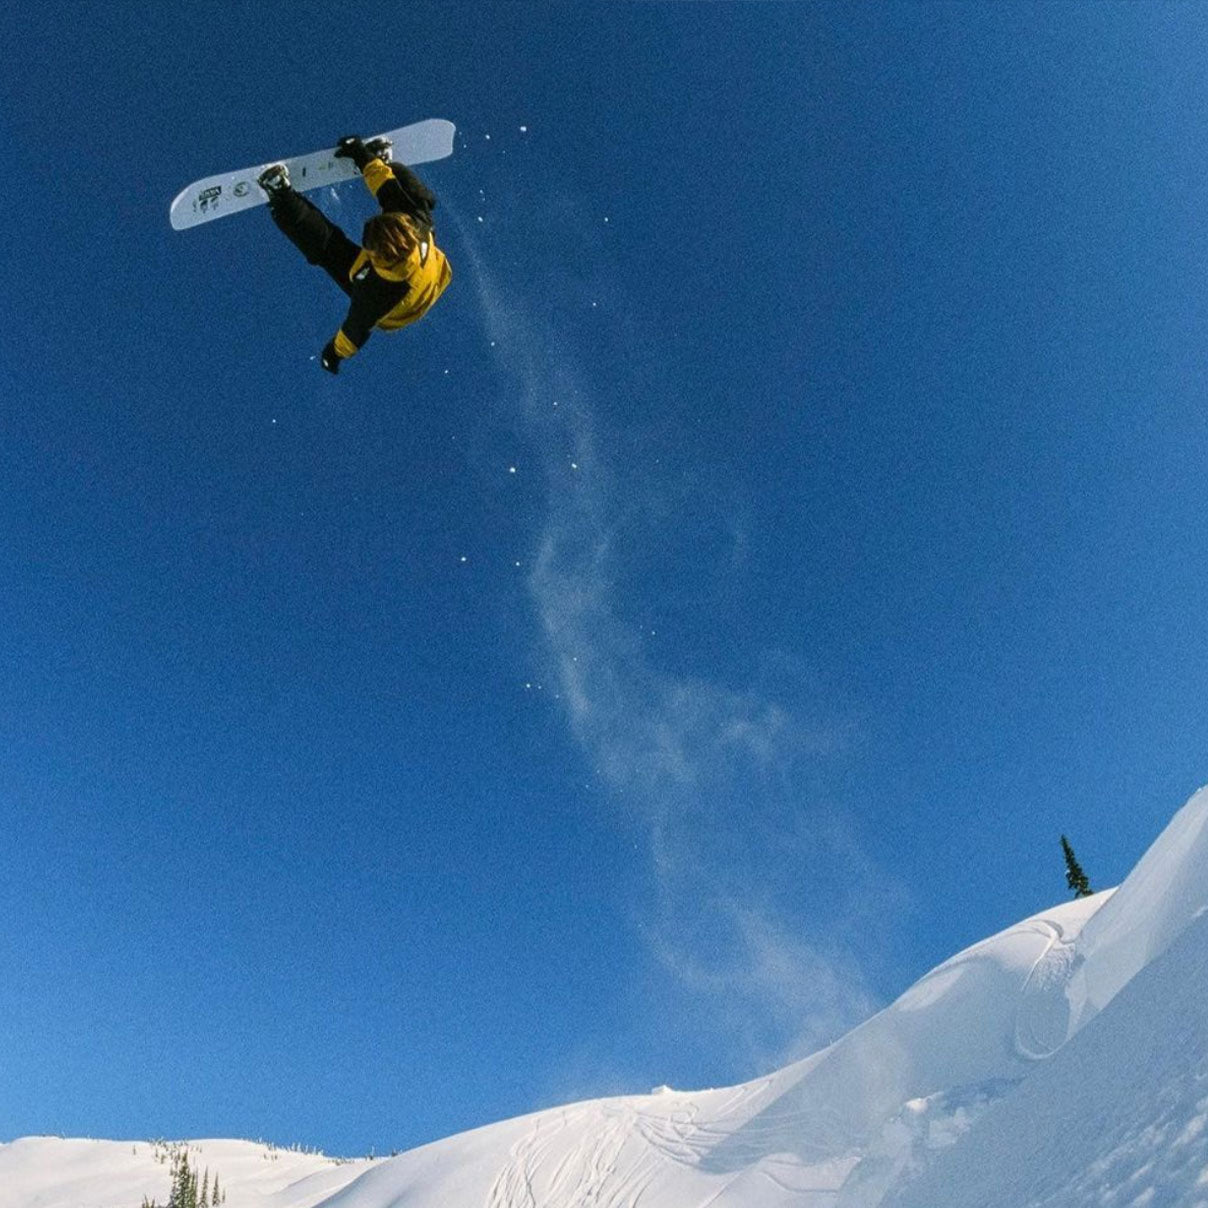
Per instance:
x=1063, y=1061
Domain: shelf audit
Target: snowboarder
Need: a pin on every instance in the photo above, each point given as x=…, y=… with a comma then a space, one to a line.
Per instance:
x=396, y=275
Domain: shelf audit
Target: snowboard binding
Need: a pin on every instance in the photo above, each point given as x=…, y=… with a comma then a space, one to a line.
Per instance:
x=274, y=180
x=363, y=153
x=380, y=148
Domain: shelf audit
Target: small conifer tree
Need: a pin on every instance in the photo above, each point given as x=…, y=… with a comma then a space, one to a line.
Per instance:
x=1075, y=878
x=184, y=1185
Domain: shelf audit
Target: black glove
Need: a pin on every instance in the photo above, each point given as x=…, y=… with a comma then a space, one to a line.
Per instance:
x=330, y=358
x=351, y=147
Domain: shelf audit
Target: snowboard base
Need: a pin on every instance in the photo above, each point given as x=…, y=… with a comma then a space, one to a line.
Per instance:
x=229, y=192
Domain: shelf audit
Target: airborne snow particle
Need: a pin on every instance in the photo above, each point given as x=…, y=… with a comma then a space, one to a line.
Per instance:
x=523, y=129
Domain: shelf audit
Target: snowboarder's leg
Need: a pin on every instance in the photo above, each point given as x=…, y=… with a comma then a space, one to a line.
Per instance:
x=314, y=235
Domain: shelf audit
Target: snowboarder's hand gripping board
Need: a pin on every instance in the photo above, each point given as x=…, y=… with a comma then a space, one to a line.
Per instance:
x=230, y=192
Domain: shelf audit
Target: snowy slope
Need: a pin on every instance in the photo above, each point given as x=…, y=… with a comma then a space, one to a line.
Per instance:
x=49, y=1172
x=796, y=1137
x=967, y=1086
x=1118, y=1117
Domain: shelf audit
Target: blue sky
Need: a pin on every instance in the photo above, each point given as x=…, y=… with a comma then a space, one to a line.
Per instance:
x=356, y=789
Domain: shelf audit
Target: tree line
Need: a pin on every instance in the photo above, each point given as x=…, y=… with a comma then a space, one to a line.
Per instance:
x=190, y=1187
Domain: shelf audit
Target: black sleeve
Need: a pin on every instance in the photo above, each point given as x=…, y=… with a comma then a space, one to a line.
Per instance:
x=406, y=192
x=372, y=298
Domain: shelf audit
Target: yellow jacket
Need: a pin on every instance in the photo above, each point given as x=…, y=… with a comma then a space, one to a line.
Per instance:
x=390, y=298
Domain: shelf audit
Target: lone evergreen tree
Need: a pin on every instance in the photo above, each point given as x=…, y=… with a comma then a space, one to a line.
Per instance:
x=1075, y=878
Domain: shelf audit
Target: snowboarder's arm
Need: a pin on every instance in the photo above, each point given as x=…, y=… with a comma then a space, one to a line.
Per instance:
x=398, y=189
x=353, y=333
x=372, y=298
x=340, y=349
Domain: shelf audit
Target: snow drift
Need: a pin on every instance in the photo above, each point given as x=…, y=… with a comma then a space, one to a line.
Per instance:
x=1062, y=1061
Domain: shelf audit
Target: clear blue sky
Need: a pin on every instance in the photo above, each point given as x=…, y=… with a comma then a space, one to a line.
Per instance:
x=356, y=789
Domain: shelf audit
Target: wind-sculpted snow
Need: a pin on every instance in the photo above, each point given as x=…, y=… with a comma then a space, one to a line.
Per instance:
x=1079, y=976
x=964, y=1092
x=1118, y=1117
x=1166, y=890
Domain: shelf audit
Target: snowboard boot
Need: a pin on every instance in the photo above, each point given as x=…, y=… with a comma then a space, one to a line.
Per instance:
x=274, y=180
x=380, y=148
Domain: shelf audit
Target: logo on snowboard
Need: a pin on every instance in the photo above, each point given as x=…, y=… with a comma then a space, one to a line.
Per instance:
x=209, y=197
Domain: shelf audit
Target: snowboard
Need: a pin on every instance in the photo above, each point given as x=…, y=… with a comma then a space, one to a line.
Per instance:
x=230, y=192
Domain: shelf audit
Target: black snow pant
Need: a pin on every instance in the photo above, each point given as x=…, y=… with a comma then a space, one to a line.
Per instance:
x=315, y=235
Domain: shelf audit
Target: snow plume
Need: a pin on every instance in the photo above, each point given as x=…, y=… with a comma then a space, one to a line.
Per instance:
x=750, y=863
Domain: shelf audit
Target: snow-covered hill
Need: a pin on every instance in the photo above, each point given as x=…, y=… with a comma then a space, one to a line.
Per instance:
x=49, y=1172
x=967, y=1091
x=1118, y=1117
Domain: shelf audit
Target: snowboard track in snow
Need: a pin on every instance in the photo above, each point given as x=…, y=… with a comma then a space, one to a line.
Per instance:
x=608, y=1154
x=1043, y=1017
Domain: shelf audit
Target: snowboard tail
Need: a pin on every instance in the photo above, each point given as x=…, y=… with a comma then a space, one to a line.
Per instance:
x=229, y=192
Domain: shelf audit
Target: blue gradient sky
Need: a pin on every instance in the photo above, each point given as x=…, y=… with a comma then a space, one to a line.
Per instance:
x=850, y=360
